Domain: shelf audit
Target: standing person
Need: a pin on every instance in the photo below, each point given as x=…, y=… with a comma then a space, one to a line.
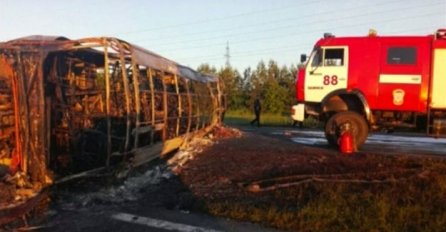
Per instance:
x=257, y=109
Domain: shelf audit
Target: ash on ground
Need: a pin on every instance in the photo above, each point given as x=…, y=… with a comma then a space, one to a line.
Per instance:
x=156, y=184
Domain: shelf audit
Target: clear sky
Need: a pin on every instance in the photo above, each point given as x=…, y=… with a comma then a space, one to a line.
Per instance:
x=192, y=32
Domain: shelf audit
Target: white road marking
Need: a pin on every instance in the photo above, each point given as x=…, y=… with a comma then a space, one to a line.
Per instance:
x=157, y=223
x=310, y=141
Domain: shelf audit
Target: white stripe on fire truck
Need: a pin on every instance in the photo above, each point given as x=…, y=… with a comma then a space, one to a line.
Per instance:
x=399, y=79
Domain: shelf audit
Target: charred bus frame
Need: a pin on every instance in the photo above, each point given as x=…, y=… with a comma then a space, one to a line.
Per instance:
x=76, y=105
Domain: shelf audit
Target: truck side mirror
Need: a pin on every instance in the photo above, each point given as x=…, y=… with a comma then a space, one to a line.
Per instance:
x=303, y=58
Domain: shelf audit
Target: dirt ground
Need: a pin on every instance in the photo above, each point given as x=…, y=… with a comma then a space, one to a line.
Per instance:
x=273, y=182
x=292, y=187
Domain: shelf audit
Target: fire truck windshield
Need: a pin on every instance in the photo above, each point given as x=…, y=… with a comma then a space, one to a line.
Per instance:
x=316, y=57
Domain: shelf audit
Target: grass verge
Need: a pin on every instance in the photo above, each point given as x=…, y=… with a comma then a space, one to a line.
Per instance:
x=266, y=119
x=362, y=192
x=416, y=205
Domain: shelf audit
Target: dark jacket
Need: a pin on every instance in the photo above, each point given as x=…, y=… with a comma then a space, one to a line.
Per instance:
x=257, y=106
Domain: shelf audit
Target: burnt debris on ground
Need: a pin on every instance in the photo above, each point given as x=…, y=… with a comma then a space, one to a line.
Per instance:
x=155, y=184
x=294, y=187
x=276, y=183
x=74, y=108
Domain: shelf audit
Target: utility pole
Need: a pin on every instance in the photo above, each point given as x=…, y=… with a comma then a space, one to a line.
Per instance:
x=227, y=56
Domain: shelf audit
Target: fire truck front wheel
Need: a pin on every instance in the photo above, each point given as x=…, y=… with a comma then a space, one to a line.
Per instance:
x=358, y=127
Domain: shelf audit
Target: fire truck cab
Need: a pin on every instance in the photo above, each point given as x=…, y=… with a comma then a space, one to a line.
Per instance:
x=374, y=82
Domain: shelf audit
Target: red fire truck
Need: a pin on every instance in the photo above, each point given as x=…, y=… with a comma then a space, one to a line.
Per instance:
x=374, y=82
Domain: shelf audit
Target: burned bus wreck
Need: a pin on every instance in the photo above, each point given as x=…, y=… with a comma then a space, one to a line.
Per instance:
x=68, y=106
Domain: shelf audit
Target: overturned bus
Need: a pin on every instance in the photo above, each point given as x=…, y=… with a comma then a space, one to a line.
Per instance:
x=68, y=106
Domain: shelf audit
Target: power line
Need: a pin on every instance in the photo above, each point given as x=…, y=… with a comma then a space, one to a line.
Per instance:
x=317, y=30
x=298, y=33
x=218, y=19
x=309, y=24
x=260, y=52
x=274, y=22
x=254, y=52
x=257, y=24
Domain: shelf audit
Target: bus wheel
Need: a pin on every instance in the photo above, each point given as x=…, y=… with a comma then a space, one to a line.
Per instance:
x=359, y=127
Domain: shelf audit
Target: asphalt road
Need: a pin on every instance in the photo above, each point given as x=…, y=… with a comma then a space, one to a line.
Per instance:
x=378, y=143
x=147, y=214
x=135, y=218
x=151, y=199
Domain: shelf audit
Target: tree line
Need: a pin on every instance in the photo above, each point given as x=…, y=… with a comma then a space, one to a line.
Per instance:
x=274, y=85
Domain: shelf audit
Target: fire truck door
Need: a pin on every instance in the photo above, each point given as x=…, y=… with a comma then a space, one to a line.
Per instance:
x=326, y=72
x=400, y=78
x=439, y=79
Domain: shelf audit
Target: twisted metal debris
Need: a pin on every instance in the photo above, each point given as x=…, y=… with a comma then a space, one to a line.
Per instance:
x=70, y=106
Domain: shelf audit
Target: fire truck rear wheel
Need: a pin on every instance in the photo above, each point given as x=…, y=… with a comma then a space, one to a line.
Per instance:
x=358, y=123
